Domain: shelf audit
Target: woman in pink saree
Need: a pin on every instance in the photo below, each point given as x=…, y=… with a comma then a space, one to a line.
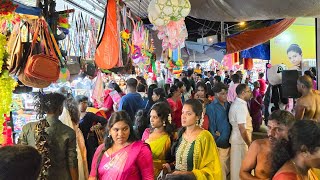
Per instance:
x=122, y=156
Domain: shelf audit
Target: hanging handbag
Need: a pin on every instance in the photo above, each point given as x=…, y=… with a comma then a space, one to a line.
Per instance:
x=35, y=82
x=14, y=48
x=18, y=48
x=43, y=66
x=32, y=82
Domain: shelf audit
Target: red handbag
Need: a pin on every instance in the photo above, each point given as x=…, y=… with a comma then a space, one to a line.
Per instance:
x=43, y=66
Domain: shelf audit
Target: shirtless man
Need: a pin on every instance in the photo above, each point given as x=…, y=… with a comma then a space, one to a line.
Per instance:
x=257, y=158
x=308, y=105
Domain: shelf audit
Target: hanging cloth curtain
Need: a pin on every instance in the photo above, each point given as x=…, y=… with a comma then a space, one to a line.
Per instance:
x=251, y=38
x=107, y=53
x=248, y=63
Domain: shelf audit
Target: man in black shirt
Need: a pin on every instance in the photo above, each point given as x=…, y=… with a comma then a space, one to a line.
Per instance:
x=87, y=120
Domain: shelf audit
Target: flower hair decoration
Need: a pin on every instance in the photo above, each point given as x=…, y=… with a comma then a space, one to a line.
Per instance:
x=201, y=121
x=169, y=118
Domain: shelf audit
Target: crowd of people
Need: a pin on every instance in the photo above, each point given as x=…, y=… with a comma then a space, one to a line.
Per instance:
x=199, y=127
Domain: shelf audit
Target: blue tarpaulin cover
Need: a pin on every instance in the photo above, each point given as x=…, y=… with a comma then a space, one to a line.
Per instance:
x=261, y=51
x=23, y=9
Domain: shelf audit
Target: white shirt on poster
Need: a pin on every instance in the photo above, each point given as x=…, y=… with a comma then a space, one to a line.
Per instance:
x=239, y=114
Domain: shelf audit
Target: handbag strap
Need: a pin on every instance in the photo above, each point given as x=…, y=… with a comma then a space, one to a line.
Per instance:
x=42, y=36
x=56, y=46
x=49, y=39
x=42, y=28
x=35, y=36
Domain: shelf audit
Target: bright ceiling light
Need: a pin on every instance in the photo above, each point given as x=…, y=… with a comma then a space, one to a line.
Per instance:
x=242, y=23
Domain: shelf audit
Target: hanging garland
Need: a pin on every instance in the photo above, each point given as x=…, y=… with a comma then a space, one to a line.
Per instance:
x=7, y=7
x=7, y=84
x=3, y=43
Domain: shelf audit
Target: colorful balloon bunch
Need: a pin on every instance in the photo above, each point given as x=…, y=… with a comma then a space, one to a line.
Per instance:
x=173, y=35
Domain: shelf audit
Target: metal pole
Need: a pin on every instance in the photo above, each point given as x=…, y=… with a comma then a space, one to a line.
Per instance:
x=223, y=37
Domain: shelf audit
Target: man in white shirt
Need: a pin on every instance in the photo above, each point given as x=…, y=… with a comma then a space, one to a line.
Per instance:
x=241, y=133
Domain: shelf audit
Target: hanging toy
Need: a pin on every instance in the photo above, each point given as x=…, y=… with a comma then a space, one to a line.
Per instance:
x=170, y=65
x=177, y=70
x=138, y=35
x=136, y=54
x=63, y=22
x=125, y=36
x=179, y=63
x=173, y=34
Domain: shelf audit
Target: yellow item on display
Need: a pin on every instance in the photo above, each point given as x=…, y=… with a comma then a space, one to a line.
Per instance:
x=125, y=34
x=92, y=110
x=198, y=71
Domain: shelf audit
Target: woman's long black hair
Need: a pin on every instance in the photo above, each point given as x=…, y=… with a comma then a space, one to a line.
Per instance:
x=160, y=92
x=187, y=83
x=303, y=133
x=108, y=142
x=150, y=91
x=173, y=89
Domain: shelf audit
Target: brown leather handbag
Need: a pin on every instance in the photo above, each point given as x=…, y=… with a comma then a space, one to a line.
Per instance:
x=43, y=66
x=32, y=82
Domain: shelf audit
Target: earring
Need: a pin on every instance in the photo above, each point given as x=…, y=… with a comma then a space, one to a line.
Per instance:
x=197, y=123
x=164, y=123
